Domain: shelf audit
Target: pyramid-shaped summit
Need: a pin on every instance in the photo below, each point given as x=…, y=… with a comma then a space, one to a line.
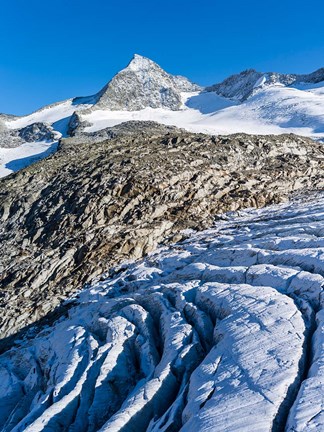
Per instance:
x=140, y=63
x=143, y=83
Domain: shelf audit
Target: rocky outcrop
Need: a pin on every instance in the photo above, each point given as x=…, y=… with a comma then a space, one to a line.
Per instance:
x=143, y=129
x=39, y=131
x=237, y=87
x=94, y=204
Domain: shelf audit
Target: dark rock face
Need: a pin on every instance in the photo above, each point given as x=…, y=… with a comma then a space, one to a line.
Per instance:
x=239, y=86
x=141, y=128
x=68, y=218
x=314, y=77
x=35, y=132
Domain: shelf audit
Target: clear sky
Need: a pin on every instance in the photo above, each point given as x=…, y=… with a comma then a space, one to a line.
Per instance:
x=53, y=50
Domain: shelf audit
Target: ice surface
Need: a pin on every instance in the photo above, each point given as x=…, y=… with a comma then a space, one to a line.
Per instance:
x=222, y=332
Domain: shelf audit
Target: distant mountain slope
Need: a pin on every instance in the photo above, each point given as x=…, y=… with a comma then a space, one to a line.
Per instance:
x=244, y=84
x=249, y=102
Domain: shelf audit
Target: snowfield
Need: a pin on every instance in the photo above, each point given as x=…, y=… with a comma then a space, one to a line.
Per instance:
x=221, y=332
x=14, y=159
x=272, y=110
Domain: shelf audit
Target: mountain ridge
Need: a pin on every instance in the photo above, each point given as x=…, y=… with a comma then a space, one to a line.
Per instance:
x=249, y=102
x=314, y=76
x=251, y=79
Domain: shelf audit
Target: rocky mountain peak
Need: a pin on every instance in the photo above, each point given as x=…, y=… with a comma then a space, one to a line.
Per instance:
x=140, y=63
x=143, y=83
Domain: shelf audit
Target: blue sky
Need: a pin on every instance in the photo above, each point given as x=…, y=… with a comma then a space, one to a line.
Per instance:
x=54, y=50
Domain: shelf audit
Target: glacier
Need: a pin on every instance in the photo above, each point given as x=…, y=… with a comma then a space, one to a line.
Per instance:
x=223, y=331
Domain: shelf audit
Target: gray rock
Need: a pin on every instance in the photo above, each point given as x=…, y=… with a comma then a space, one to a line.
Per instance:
x=314, y=77
x=36, y=132
x=140, y=128
x=10, y=138
x=237, y=87
x=143, y=84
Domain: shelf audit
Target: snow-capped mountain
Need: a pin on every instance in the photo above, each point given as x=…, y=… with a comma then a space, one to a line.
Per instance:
x=250, y=102
x=245, y=84
x=143, y=84
x=222, y=332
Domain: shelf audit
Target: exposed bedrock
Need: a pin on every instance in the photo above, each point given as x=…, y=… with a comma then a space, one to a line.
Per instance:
x=35, y=132
x=70, y=217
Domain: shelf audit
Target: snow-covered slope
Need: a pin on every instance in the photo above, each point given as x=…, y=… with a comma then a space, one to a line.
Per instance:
x=250, y=102
x=244, y=84
x=222, y=332
x=17, y=155
x=272, y=110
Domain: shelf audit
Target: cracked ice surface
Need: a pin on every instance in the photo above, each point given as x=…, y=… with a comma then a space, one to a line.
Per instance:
x=222, y=332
